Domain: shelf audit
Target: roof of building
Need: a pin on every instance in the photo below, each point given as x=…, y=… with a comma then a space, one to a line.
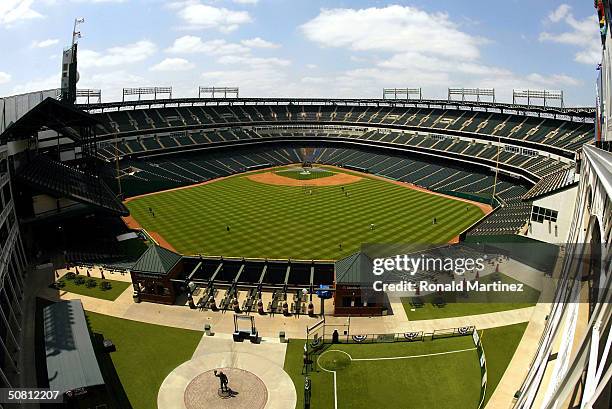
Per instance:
x=71, y=359
x=552, y=183
x=51, y=114
x=157, y=260
x=353, y=269
x=62, y=180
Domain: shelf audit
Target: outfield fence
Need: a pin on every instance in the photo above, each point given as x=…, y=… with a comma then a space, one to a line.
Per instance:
x=322, y=333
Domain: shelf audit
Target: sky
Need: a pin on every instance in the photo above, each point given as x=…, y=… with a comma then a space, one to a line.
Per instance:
x=305, y=48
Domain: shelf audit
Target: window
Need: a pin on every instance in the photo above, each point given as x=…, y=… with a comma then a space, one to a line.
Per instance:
x=540, y=214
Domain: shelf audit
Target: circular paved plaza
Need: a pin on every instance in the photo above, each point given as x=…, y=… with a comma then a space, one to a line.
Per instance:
x=257, y=383
x=248, y=391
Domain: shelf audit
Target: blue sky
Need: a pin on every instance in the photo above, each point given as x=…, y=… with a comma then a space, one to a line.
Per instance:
x=305, y=47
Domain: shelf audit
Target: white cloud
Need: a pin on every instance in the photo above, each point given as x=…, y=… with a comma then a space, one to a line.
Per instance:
x=173, y=64
x=254, y=62
x=50, y=82
x=45, y=43
x=311, y=66
x=12, y=11
x=258, y=42
x=559, y=13
x=583, y=34
x=246, y=1
x=392, y=29
x=117, y=56
x=192, y=44
x=112, y=82
x=554, y=80
x=4, y=77
x=203, y=16
x=406, y=46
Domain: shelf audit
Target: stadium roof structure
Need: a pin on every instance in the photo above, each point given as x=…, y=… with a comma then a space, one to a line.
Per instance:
x=71, y=359
x=61, y=180
x=352, y=269
x=474, y=105
x=157, y=260
x=555, y=182
x=50, y=114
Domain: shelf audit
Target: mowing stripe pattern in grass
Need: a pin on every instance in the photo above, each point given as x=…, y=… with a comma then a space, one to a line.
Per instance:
x=287, y=222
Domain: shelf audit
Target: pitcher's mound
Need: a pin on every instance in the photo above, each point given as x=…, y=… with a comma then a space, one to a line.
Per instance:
x=248, y=391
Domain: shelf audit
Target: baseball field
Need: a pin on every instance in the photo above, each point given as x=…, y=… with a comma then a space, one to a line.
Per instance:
x=324, y=213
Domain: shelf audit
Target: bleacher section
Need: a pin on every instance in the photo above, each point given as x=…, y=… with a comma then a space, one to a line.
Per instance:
x=567, y=135
x=540, y=166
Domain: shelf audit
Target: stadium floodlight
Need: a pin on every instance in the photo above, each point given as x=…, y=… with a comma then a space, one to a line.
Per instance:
x=394, y=93
x=89, y=94
x=544, y=95
x=147, y=91
x=218, y=90
x=472, y=92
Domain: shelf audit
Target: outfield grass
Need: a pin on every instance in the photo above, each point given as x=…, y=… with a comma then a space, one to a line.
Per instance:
x=145, y=354
x=439, y=381
x=284, y=222
x=478, y=303
x=117, y=287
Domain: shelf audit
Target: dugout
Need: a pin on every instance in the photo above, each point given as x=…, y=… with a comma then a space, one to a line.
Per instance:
x=354, y=296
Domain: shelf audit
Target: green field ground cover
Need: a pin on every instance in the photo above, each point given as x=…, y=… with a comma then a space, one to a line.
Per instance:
x=111, y=294
x=286, y=222
x=145, y=355
x=431, y=381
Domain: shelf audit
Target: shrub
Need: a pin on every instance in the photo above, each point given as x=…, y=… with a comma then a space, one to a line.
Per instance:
x=91, y=283
x=70, y=276
x=79, y=280
x=105, y=285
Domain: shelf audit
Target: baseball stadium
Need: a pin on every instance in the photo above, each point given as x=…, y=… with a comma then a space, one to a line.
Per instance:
x=223, y=251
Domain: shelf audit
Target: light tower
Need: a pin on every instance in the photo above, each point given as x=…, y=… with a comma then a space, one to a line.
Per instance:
x=70, y=75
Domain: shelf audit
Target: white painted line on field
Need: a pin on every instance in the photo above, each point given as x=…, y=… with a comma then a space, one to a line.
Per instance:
x=334, y=372
x=378, y=359
x=412, y=356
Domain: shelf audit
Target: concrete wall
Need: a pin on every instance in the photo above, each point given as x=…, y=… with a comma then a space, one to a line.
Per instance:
x=564, y=203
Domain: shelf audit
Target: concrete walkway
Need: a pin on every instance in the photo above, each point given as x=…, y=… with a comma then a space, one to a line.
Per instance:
x=264, y=361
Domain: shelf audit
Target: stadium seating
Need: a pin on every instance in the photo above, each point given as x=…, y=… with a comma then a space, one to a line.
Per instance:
x=546, y=131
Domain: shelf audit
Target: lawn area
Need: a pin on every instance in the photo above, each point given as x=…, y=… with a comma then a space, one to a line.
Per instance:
x=117, y=287
x=145, y=354
x=438, y=381
x=478, y=303
x=285, y=222
x=499, y=345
